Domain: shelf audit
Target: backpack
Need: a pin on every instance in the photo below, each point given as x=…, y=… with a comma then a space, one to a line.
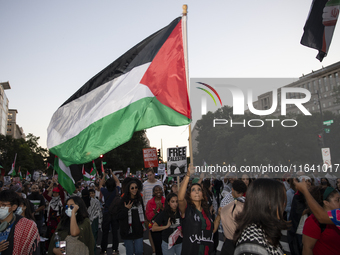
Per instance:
x=113, y=209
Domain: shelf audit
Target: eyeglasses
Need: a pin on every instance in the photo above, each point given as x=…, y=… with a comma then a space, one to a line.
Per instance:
x=4, y=205
x=71, y=206
x=135, y=187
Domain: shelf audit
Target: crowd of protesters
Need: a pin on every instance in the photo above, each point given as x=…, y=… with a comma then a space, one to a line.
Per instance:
x=181, y=218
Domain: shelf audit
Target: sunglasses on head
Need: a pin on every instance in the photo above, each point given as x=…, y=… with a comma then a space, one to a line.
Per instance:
x=134, y=187
x=71, y=206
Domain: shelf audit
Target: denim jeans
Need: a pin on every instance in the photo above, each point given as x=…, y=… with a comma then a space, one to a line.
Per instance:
x=134, y=245
x=176, y=249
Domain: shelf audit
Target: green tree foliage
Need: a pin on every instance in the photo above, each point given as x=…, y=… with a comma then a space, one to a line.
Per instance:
x=30, y=156
x=275, y=145
x=129, y=154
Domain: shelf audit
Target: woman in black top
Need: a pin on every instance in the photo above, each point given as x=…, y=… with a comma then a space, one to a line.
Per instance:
x=168, y=221
x=131, y=218
x=197, y=225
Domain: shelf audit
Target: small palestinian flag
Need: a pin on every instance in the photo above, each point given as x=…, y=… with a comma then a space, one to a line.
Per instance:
x=86, y=175
x=28, y=176
x=93, y=174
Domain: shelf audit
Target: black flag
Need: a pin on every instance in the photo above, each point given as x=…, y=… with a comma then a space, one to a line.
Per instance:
x=320, y=24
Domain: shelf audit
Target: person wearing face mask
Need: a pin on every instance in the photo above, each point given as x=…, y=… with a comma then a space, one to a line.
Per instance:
x=74, y=228
x=39, y=206
x=24, y=209
x=55, y=195
x=18, y=235
x=325, y=183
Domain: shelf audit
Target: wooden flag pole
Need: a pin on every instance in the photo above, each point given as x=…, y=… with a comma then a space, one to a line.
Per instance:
x=185, y=46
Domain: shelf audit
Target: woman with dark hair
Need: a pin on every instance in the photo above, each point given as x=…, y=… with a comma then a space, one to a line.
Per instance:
x=261, y=221
x=168, y=221
x=212, y=203
x=131, y=218
x=321, y=238
x=75, y=229
x=197, y=225
x=154, y=206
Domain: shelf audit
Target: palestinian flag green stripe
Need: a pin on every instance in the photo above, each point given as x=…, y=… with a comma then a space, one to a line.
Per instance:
x=64, y=176
x=146, y=112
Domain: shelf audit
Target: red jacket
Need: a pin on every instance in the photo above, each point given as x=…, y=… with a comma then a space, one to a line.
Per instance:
x=150, y=206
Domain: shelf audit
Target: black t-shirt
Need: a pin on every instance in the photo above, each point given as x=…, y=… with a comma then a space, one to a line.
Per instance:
x=37, y=201
x=197, y=230
x=162, y=220
x=108, y=197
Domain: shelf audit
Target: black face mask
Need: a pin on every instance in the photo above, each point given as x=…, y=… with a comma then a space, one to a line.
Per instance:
x=323, y=183
x=35, y=193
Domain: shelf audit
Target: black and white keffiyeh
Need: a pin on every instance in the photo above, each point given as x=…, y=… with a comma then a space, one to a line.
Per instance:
x=139, y=207
x=255, y=235
x=56, y=205
x=95, y=211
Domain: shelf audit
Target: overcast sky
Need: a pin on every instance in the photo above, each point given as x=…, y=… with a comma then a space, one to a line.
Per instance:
x=49, y=49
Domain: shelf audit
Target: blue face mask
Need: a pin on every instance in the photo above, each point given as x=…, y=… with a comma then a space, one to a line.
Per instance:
x=19, y=211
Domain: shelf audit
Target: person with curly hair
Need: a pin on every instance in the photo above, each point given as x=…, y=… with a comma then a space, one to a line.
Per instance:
x=153, y=208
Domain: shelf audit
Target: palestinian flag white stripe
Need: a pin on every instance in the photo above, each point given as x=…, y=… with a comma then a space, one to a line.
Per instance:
x=95, y=105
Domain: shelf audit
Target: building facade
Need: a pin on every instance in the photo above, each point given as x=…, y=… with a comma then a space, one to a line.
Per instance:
x=320, y=83
x=3, y=107
x=12, y=127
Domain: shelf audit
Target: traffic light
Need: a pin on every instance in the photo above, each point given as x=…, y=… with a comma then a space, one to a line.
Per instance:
x=320, y=140
x=159, y=156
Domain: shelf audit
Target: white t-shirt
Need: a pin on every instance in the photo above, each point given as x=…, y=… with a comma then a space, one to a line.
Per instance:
x=147, y=190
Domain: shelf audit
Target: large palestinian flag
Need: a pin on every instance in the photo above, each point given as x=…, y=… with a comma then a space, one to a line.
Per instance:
x=143, y=88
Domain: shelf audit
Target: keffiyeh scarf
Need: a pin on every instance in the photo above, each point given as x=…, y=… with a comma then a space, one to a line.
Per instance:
x=26, y=237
